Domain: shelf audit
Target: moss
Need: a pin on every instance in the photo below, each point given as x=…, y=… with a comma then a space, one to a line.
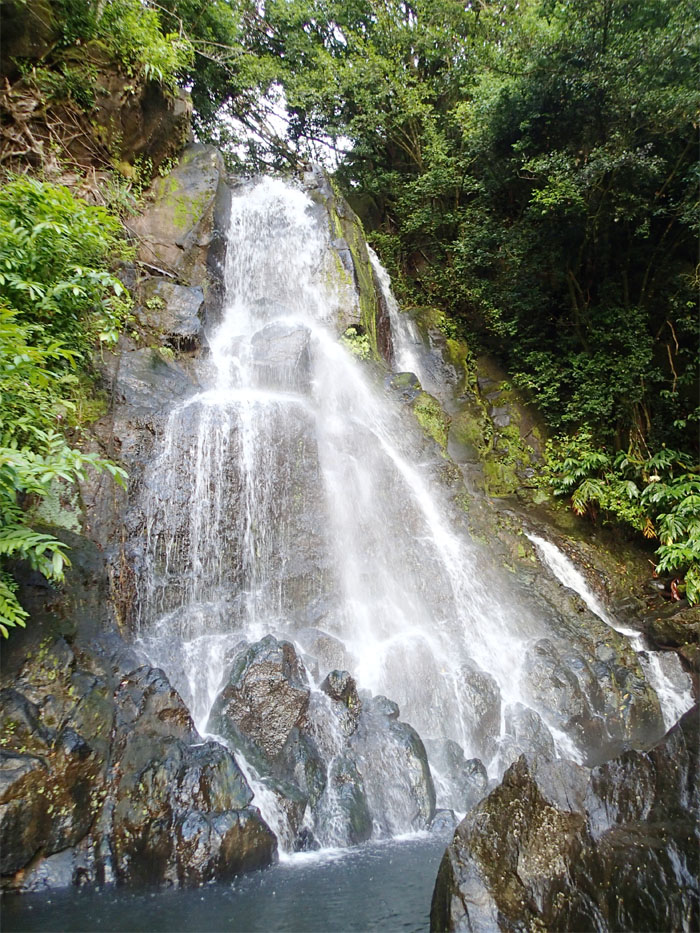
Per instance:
x=500, y=479
x=346, y=225
x=432, y=418
x=471, y=428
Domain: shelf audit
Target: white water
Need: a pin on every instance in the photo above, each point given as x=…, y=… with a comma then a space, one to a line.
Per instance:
x=663, y=669
x=288, y=499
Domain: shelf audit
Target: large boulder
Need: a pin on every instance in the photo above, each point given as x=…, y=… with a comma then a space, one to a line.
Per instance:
x=265, y=698
x=182, y=231
x=557, y=847
x=99, y=784
x=393, y=764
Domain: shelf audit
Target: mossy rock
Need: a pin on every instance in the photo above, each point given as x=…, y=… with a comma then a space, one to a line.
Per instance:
x=432, y=418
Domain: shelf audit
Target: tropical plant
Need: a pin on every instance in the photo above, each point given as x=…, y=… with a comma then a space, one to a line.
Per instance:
x=658, y=495
x=57, y=298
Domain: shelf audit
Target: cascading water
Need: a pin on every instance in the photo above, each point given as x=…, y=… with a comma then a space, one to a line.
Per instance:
x=292, y=497
x=663, y=669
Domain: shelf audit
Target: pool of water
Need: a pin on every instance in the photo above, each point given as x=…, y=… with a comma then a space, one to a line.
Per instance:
x=383, y=886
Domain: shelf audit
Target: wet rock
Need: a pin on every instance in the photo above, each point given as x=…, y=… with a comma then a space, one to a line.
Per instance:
x=306, y=841
x=405, y=385
x=24, y=822
x=265, y=698
x=300, y=763
x=604, y=705
x=393, y=764
x=443, y=822
x=181, y=807
x=554, y=847
x=281, y=357
x=463, y=782
x=481, y=702
x=530, y=732
x=382, y=706
x=328, y=651
x=350, y=799
x=19, y=719
x=679, y=629
x=174, y=312
x=146, y=383
x=341, y=687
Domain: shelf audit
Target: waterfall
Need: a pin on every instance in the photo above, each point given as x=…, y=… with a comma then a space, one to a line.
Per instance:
x=663, y=669
x=289, y=498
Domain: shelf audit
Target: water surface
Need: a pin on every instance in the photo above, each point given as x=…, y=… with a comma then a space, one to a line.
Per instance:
x=382, y=886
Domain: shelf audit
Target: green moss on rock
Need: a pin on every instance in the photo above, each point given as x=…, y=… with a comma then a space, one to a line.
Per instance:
x=432, y=418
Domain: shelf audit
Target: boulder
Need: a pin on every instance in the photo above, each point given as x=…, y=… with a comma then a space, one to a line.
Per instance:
x=557, y=847
x=265, y=698
x=602, y=701
x=341, y=687
x=107, y=784
x=393, y=764
x=178, y=804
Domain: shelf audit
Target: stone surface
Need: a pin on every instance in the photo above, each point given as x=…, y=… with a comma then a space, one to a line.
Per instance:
x=341, y=687
x=265, y=698
x=481, y=700
x=281, y=357
x=174, y=312
x=555, y=847
x=112, y=782
x=187, y=214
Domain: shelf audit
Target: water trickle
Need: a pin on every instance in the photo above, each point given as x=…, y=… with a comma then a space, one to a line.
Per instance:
x=663, y=669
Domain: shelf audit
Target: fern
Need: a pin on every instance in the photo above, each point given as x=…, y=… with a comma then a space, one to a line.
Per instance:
x=658, y=496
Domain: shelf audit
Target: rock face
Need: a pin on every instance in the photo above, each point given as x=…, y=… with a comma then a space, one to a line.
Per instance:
x=183, y=230
x=556, y=847
x=103, y=781
x=341, y=766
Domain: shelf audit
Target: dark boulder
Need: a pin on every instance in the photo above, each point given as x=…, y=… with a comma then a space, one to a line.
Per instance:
x=392, y=761
x=265, y=698
x=340, y=686
x=556, y=847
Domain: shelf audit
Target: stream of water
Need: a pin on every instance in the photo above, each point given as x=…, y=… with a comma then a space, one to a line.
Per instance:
x=293, y=497
x=672, y=684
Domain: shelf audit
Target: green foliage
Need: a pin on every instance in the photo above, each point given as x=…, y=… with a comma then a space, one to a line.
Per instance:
x=57, y=297
x=54, y=254
x=658, y=495
x=357, y=343
x=133, y=33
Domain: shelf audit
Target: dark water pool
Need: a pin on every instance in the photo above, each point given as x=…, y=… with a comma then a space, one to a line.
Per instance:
x=379, y=886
